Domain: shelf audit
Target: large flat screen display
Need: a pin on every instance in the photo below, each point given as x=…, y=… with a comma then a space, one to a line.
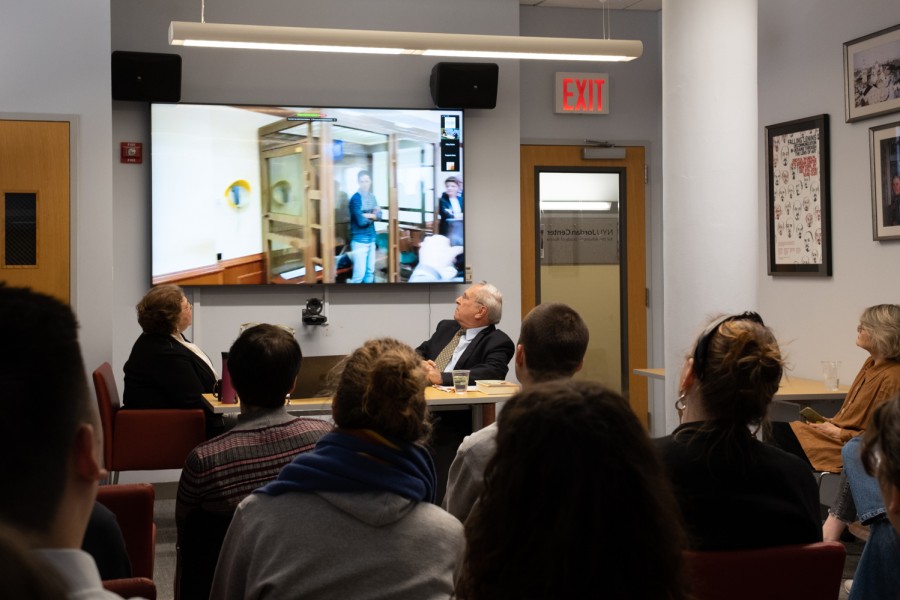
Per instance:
x=248, y=195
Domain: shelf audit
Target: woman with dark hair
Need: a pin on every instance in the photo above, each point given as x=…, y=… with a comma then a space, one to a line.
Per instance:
x=164, y=369
x=354, y=518
x=575, y=504
x=878, y=380
x=736, y=492
x=881, y=456
x=872, y=470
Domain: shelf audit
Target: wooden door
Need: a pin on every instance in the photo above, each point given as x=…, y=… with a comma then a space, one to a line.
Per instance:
x=534, y=160
x=34, y=206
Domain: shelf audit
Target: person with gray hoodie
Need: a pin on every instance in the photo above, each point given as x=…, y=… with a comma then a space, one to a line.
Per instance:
x=354, y=518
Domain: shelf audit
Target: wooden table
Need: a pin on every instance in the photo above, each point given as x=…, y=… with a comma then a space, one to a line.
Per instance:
x=791, y=389
x=434, y=396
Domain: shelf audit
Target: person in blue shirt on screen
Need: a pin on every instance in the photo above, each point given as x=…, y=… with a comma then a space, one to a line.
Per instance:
x=364, y=211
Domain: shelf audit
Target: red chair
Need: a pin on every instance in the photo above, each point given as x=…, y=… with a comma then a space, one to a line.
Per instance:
x=146, y=439
x=133, y=506
x=135, y=587
x=797, y=572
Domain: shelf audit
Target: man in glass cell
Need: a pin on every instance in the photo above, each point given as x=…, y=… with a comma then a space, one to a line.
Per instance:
x=364, y=211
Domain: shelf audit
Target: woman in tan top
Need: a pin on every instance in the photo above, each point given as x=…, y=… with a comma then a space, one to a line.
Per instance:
x=879, y=380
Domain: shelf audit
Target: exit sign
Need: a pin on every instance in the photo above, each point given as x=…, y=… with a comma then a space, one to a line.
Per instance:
x=582, y=93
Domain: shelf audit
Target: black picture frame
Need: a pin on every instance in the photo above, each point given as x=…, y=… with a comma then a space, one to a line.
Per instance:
x=884, y=152
x=798, y=198
x=871, y=66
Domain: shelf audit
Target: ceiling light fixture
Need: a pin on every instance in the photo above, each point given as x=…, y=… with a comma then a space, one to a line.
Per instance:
x=306, y=39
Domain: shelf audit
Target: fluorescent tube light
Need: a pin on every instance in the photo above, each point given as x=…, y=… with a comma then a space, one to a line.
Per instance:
x=306, y=39
x=576, y=205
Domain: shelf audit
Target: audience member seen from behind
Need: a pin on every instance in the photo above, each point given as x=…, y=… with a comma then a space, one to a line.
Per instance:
x=575, y=504
x=734, y=491
x=51, y=443
x=881, y=456
x=872, y=465
x=263, y=362
x=878, y=334
x=552, y=342
x=164, y=369
x=354, y=518
x=470, y=340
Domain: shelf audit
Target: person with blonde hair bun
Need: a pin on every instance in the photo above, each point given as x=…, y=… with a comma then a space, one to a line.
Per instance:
x=354, y=518
x=735, y=492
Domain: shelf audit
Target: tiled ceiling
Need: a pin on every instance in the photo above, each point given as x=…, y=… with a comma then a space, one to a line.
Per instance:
x=599, y=4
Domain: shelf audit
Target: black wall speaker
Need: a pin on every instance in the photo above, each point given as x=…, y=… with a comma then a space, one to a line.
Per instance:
x=146, y=76
x=464, y=85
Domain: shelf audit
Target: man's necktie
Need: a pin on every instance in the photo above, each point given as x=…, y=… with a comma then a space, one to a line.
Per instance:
x=443, y=359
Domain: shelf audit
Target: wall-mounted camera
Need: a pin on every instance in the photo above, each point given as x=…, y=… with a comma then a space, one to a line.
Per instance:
x=312, y=314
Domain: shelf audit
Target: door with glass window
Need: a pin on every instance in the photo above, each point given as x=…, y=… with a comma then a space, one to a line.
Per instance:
x=34, y=206
x=584, y=245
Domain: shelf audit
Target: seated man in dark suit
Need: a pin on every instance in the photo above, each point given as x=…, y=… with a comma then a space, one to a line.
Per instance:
x=471, y=340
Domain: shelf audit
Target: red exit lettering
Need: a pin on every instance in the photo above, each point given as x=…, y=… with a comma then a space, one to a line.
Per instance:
x=588, y=94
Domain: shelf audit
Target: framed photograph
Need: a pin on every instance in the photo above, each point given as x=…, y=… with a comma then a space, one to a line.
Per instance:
x=798, y=198
x=872, y=74
x=884, y=150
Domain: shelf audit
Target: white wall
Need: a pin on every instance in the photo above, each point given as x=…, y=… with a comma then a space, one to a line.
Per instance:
x=800, y=75
x=354, y=314
x=55, y=65
x=635, y=118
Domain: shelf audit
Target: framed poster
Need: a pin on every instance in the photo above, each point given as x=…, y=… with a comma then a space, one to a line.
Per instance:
x=884, y=150
x=797, y=198
x=872, y=74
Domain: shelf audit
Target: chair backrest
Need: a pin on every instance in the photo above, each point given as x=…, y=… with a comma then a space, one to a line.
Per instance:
x=133, y=506
x=108, y=404
x=156, y=438
x=796, y=572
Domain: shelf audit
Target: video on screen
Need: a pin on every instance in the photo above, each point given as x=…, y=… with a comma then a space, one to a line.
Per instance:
x=249, y=195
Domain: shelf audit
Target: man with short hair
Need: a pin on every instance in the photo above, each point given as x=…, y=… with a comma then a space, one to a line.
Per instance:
x=470, y=340
x=51, y=443
x=263, y=363
x=552, y=344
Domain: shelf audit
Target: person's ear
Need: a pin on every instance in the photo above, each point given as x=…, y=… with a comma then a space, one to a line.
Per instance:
x=88, y=449
x=688, y=378
x=579, y=367
x=520, y=355
x=293, y=385
x=482, y=312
